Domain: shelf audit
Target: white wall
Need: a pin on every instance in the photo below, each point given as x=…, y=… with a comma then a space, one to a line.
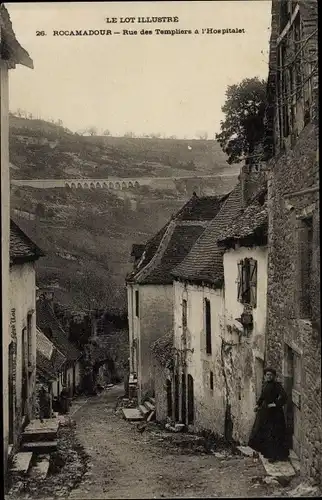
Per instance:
x=208, y=404
x=22, y=302
x=5, y=237
x=244, y=364
x=155, y=320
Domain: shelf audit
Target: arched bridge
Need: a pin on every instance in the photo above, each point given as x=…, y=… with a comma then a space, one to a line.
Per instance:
x=110, y=183
x=118, y=183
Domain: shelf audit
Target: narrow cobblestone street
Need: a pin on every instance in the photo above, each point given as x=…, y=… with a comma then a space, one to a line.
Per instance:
x=128, y=464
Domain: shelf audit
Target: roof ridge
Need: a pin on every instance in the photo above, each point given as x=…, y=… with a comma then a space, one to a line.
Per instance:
x=159, y=252
x=27, y=239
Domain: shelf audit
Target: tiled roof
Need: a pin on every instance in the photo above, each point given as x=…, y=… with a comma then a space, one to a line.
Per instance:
x=10, y=48
x=251, y=219
x=50, y=326
x=204, y=263
x=50, y=367
x=172, y=243
x=22, y=248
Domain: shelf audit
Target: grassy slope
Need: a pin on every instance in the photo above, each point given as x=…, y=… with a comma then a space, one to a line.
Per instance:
x=69, y=155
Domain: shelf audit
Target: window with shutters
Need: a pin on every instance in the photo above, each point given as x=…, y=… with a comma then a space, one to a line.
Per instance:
x=208, y=325
x=247, y=282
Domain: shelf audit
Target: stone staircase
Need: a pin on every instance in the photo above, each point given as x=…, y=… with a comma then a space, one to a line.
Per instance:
x=145, y=411
x=39, y=439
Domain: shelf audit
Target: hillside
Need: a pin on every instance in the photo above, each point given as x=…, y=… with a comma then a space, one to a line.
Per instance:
x=39, y=149
x=87, y=238
x=87, y=235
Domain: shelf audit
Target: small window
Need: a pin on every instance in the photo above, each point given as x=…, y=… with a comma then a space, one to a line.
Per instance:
x=208, y=325
x=211, y=380
x=247, y=282
x=184, y=315
x=137, y=305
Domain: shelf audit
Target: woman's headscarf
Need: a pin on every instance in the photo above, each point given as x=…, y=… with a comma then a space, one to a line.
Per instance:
x=271, y=370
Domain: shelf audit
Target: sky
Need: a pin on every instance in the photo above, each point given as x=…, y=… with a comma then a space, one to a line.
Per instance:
x=167, y=84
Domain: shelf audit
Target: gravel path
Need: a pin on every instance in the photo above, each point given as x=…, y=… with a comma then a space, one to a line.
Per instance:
x=125, y=463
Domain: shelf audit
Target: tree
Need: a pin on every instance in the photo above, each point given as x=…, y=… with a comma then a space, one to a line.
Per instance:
x=106, y=132
x=243, y=129
x=203, y=136
x=92, y=131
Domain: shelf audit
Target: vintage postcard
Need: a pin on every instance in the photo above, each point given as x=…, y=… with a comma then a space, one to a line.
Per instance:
x=160, y=266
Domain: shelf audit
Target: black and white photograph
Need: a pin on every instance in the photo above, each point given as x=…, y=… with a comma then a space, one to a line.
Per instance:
x=160, y=249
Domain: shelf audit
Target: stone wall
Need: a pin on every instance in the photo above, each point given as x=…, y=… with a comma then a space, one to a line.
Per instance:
x=294, y=169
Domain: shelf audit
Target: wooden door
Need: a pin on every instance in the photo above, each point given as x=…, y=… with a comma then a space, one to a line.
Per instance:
x=169, y=398
x=183, y=399
x=190, y=400
x=176, y=398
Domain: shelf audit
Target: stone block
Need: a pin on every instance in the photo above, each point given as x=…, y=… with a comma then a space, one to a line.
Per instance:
x=132, y=414
x=278, y=469
x=21, y=462
x=40, y=446
x=40, y=469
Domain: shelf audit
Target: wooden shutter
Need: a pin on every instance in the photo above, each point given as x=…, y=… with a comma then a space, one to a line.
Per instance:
x=240, y=281
x=253, y=281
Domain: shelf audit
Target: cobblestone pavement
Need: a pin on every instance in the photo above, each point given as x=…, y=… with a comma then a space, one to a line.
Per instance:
x=125, y=463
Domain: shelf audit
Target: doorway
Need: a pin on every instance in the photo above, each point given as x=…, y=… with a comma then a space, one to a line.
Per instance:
x=169, y=398
x=292, y=383
x=11, y=389
x=176, y=398
x=190, y=400
x=183, y=399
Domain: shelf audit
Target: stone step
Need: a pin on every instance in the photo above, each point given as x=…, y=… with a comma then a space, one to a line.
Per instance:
x=152, y=400
x=247, y=451
x=40, y=446
x=278, y=469
x=149, y=405
x=37, y=436
x=47, y=424
x=144, y=411
x=21, y=462
x=40, y=469
x=132, y=414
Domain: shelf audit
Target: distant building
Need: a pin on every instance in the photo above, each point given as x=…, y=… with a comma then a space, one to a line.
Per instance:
x=293, y=303
x=50, y=365
x=22, y=346
x=70, y=375
x=150, y=285
x=11, y=53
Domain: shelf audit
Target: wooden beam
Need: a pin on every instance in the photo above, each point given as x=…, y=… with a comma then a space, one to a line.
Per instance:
x=288, y=26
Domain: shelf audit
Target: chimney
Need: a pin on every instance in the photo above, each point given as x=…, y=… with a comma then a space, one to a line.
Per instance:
x=252, y=177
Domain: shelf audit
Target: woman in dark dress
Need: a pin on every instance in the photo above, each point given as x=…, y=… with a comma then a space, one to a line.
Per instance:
x=268, y=435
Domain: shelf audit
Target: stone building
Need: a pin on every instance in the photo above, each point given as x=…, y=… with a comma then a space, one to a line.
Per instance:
x=71, y=373
x=150, y=285
x=11, y=54
x=22, y=347
x=216, y=373
x=293, y=317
